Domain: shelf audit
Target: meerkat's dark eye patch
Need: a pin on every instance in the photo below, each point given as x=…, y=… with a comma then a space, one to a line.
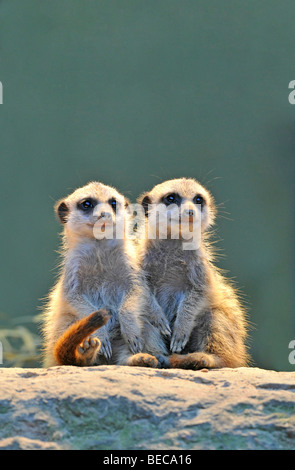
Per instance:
x=198, y=199
x=113, y=203
x=172, y=198
x=87, y=205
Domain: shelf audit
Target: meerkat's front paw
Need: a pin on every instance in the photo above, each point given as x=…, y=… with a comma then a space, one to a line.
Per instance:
x=164, y=327
x=89, y=348
x=178, y=341
x=106, y=348
x=132, y=337
x=135, y=344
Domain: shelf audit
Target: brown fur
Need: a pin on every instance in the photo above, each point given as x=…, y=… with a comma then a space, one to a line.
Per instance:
x=65, y=349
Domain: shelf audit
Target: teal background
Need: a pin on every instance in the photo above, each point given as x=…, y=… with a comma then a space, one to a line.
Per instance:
x=135, y=92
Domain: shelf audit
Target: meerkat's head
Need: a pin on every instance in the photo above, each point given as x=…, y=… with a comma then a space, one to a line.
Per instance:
x=92, y=211
x=184, y=202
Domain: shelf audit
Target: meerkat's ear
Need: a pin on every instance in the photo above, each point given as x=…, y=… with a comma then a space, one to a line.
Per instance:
x=62, y=211
x=126, y=202
x=145, y=200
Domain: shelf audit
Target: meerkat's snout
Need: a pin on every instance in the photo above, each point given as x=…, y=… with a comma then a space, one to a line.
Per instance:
x=105, y=215
x=189, y=213
x=105, y=220
x=102, y=213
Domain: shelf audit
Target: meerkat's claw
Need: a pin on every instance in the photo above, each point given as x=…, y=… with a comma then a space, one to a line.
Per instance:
x=135, y=345
x=106, y=348
x=177, y=344
x=165, y=329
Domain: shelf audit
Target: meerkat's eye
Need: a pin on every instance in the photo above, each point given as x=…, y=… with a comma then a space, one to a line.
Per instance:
x=86, y=205
x=113, y=204
x=199, y=200
x=172, y=199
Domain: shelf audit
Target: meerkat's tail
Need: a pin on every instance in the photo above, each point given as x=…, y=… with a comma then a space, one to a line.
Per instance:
x=65, y=349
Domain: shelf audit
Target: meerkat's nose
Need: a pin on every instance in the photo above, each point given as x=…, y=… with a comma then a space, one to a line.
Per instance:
x=189, y=212
x=104, y=215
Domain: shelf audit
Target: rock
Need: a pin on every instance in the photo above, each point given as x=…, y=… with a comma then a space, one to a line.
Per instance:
x=115, y=407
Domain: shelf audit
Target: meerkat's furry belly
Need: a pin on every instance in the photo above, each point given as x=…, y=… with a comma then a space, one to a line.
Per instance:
x=169, y=300
x=172, y=274
x=95, y=277
x=169, y=287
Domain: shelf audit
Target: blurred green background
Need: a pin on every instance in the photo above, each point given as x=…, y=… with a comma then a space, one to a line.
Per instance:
x=135, y=92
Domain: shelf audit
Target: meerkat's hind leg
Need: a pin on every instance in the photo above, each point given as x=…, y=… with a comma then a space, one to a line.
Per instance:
x=139, y=359
x=163, y=361
x=88, y=350
x=142, y=360
x=196, y=361
x=76, y=346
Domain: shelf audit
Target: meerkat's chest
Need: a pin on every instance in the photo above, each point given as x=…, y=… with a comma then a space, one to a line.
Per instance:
x=167, y=269
x=171, y=276
x=102, y=275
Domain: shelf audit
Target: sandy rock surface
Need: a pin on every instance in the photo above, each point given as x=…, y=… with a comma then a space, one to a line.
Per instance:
x=115, y=407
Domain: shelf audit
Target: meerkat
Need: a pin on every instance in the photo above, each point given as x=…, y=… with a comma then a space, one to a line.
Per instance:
x=95, y=311
x=208, y=322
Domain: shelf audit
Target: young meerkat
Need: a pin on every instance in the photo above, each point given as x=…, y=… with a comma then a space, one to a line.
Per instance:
x=208, y=323
x=99, y=286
